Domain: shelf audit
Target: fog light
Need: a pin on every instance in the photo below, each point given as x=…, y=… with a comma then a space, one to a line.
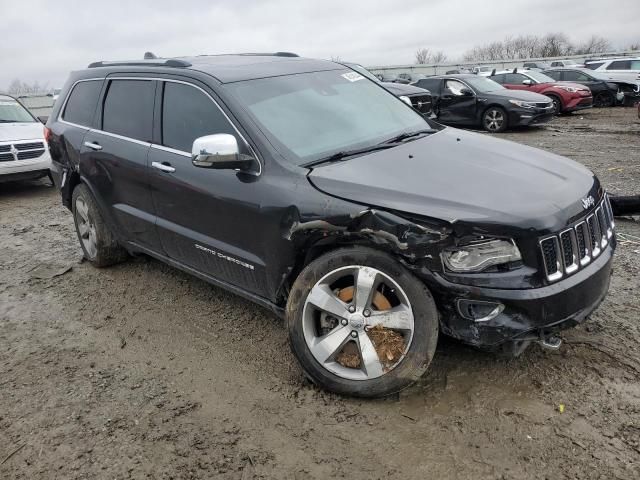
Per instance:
x=478, y=310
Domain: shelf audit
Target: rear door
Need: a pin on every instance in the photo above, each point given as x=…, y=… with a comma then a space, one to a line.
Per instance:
x=114, y=158
x=454, y=106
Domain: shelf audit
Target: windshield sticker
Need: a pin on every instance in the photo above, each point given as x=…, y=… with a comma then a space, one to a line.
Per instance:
x=352, y=76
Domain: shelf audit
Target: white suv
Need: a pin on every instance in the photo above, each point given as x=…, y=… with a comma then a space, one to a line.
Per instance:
x=630, y=67
x=23, y=150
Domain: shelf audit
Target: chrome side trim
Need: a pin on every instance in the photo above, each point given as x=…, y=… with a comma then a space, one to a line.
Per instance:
x=120, y=137
x=170, y=150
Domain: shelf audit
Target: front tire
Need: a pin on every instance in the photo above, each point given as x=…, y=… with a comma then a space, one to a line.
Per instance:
x=557, y=104
x=494, y=120
x=360, y=324
x=98, y=244
x=604, y=99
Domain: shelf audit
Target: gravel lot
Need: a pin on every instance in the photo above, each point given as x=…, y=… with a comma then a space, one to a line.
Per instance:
x=141, y=371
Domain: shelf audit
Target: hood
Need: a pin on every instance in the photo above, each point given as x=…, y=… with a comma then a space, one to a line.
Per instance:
x=517, y=95
x=401, y=89
x=21, y=131
x=455, y=175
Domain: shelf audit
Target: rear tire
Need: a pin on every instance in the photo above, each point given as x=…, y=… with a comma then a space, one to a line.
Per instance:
x=98, y=244
x=410, y=318
x=495, y=120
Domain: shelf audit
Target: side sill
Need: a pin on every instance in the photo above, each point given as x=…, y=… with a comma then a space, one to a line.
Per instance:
x=263, y=302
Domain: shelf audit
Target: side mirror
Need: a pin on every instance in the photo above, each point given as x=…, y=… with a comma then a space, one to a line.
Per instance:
x=219, y=151
x=465, y=92
x=43, y=119
x=527, y=82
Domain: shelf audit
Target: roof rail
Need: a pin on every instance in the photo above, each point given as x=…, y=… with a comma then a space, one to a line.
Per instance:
x=159, y=62
x=274, y=54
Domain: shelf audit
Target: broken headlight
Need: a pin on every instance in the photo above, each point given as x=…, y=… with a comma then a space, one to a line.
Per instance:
x=480, y=255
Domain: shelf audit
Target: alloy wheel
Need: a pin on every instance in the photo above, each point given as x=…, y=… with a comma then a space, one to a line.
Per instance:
x=358, y=322
x=493, y=120
x=86, y=228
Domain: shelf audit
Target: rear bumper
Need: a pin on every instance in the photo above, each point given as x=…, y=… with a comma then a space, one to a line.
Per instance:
x=528, y=313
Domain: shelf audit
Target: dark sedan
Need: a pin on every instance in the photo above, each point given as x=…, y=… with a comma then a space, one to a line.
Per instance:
x=471, y=100
x=605, y=94
x=418, y=98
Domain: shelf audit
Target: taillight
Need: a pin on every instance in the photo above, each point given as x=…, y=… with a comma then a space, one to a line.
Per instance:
x=47, y=134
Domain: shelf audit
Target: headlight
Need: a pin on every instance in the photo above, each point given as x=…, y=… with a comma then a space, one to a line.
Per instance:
x=568, y=89
x=405, y=99
x=478, y=256
x=523, y=104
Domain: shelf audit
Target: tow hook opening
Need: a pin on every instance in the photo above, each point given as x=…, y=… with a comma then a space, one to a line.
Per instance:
x=550, y=342
x=479, y=310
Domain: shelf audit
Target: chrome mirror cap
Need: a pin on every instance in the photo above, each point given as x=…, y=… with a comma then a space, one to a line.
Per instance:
x=212, y=151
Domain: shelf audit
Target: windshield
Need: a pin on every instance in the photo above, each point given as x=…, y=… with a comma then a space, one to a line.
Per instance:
x=312, y=116
x=12, y=112
x=484, y=84
x=540, y=77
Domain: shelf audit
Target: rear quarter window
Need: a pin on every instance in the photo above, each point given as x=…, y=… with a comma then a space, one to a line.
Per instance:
x=82, y=102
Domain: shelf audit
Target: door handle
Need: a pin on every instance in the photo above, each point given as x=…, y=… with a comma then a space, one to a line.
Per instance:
x=447, y=97
x=93, y=146
x=163, y=167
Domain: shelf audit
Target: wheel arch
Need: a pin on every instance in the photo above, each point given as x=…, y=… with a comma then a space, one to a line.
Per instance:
x=406, y=239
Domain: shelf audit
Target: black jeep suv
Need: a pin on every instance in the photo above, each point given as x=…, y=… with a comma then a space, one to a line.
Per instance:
x=311, y=190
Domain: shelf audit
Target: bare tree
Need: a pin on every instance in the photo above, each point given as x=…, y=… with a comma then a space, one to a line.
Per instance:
x=439, y=57
x=423, y=55
x=594, y=44
x=18, y=87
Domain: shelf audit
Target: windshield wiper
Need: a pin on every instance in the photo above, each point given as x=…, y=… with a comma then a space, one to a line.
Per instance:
x=407, y=135
x=336, y=157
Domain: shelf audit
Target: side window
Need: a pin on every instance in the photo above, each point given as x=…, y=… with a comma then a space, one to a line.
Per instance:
x=433, y=85
x=635, y=65
x=514, y=78
x=575, y=77
x=620, y=65
x=498, y=78
x=454, y=86
x=187, y=113
x=82, y=102
x=594, y=65
x=128, y=109
x=555, y=74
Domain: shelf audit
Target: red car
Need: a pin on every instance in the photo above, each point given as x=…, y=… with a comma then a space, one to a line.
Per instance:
x=567, y=97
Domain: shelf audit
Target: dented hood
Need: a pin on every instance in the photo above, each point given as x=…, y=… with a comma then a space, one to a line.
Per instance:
x=455, y=175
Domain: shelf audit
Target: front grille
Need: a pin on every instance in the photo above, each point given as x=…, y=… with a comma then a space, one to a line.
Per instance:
x=21, y=151
x=29, y=146
x=422, y=103
x=576, y=246
x=30, y=154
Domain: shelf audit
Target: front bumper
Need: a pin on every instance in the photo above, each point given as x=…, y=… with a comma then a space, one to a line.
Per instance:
x=579, y=103
x=529, y=117
x=528, y=313
x=25, y=168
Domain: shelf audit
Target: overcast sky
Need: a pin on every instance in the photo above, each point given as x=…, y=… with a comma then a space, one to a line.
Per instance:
x=44, y=39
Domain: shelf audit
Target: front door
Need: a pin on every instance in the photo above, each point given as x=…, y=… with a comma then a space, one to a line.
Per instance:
x=455, y=105
x=207, y=219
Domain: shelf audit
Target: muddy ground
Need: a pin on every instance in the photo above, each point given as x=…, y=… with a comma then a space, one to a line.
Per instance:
x=141, y=371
